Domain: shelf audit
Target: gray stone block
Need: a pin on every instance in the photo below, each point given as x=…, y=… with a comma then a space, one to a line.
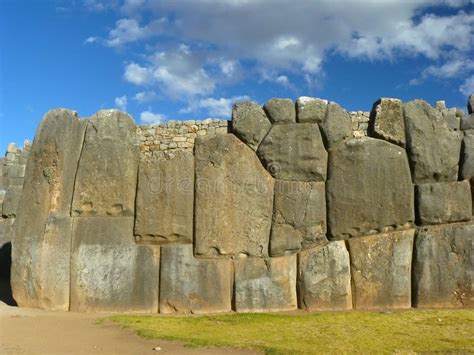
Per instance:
x=336, y=126
x=467, y=159
x=265, y=284
x=443, y=266
x=387, y=122
x=470, y=104
x=445, y=202
x=6, y=230
x=381, y=270
x=250, y=123
x=467, y=123
x=190, y=285
x=324, y=278
x=11, y=201
x=311, y=109
x=280, y=110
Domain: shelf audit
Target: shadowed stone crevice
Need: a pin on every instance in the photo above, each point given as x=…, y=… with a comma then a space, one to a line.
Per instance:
x=6, y=295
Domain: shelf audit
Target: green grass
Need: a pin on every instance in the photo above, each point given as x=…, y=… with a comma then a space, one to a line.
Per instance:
x=309, y=333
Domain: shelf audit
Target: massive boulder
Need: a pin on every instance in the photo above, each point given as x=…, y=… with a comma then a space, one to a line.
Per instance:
x=324, y=278
x=109, y=271
x=336, y=126
x=250, y=123
x=444, y=202
x=433, y=148
x=280, y=110
x=467, y=168
x=265, y=284
x=233, y=199
x=294, y=151
x=41, y=237
x=190, y=285
x=381, y=270
x=165, y=198
x=311, y=109
x=107, y=172
x=443, y=266
x=369, y=188
x=299, y=216
x=387, y=122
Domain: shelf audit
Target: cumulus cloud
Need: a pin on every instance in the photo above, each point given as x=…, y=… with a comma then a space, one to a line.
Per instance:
x=221, y=107
x=467, y=88
x=121, y=102
x=149, y=117
x=136, y=74
x=145, y=96
x=450, y=69
x=129, y=30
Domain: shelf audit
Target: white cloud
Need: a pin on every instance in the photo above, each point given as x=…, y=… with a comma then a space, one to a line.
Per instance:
x=450, y=69
x=99, y=5
x=121, y=102
x=90, y=40
x=129, y=30
x=148, y=117
x=137, y=74
x=467, y=88
x=221, y=107
x=145, y=96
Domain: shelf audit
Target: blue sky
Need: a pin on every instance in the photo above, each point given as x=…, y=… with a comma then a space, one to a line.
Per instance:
x=190, y=59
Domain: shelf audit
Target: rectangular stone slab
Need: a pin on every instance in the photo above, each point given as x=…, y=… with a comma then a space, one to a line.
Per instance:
x=190, y=285
x=109, y=271
x=381, y=270
x=443, y=266
x=265, y=284
x=11, y=201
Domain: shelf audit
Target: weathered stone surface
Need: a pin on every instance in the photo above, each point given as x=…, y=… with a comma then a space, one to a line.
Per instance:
x=46, y=197
x=450, y=115
x=324, y=278
x=107, y=172
x=443, y=267
x=109, y=272
x=369, y=188
x=381, y=270
x=299, y=216
x=280, y=110
x=433, y=149
x=165, y=198
x=6, y=230
x=250, y=123
x=443, y=202
x=467, y=159
x=294, y=151
x=337, y=125
x=387, y=122
x=11, y=201
x=265, y=284
x=470, y=104
x=233, y=199
x=190, y=285
x=467, y=123
x=311, y=109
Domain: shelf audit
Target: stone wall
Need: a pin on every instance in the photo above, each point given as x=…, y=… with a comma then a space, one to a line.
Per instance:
x=290, y=205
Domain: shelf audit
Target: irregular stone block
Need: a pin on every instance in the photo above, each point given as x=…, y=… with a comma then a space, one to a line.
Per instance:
x=443, y=266
x=12, y=201
x=381, y=270
x=433, y=149
x=467, y=123
x=337, y=125
x=451, y=118
x=324, y=278
x=46, y=197
x=387, y=122
x=470, y=104
x=107, y=172
x=6, y=230
x=444, y=202
x=265, y=284
x=190, y=285
x=369, y=188
x=109, y=272
x=233, y=199
x=299, y=216
x=280, y=110
x=294, y=152
x=250, y=123
x=467, y=159
x=165, y=198
x=311, y=109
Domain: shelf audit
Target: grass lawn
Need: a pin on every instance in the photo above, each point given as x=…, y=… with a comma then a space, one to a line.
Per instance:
x=303, y=333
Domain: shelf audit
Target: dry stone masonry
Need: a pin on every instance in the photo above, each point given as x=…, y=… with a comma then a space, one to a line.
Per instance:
x=290, y=205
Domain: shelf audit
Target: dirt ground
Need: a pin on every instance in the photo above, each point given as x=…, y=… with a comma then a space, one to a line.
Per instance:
x=32, y=331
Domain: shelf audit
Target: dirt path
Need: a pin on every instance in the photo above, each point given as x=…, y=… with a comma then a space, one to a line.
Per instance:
x=31, y=331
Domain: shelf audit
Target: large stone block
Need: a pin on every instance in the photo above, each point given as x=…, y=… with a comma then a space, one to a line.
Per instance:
x=6, y=230
x=250, y=123
x=233, y=199
x=299, y=216
x=369, y=188
x=433, y=148
x=444, y=202
x=467, y=159
x=107, y=173
x=294, y=151
x=443, y=266
x=336, y=126
x=41, y=230
x=381, y=270
x=467, y=123
x=311, y=109
x=324, y=278
x=280, y=110
x=12, y=201
x=165, y=198
x=109, y=272
x=387, y=122
x=190, y=285
x=265, y=284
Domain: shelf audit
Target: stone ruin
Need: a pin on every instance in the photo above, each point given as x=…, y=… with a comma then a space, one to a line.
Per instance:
x=287, y=206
